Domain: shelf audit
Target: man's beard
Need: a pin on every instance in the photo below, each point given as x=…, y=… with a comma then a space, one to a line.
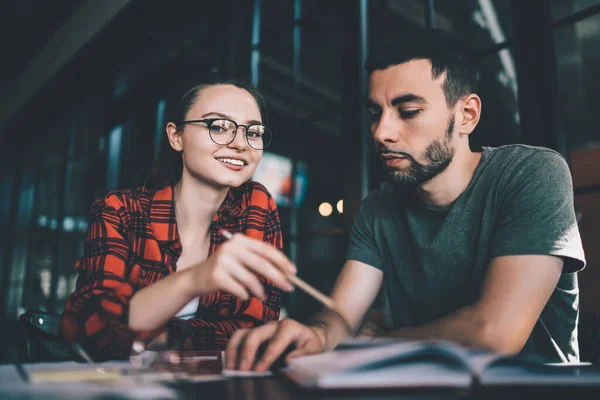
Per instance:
x=438, y=156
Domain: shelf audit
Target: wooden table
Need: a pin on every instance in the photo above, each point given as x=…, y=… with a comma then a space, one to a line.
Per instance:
x=258, y=388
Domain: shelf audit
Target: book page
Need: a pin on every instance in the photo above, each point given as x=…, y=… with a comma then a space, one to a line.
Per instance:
x=394, y=364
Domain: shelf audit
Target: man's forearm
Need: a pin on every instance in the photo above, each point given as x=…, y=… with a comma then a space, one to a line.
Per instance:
x=466, y=326
x=331, y=327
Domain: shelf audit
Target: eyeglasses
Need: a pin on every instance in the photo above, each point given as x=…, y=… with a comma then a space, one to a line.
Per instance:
x=223, y=131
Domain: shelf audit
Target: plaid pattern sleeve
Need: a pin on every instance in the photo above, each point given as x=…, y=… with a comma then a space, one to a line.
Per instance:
x=96, y=314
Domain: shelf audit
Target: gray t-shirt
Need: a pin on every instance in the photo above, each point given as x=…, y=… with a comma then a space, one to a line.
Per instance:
x=520, y=201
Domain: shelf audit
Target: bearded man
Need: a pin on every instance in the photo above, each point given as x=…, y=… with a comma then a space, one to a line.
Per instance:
x=479, y=248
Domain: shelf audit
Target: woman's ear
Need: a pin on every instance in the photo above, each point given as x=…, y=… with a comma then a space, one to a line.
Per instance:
x=471, y=113
x=174, y=136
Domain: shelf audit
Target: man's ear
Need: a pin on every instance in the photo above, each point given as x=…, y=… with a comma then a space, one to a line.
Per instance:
x=471, y=113
x=174, y=137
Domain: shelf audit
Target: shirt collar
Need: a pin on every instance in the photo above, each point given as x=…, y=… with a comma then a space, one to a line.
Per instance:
x=163, y=217
x=233, y=205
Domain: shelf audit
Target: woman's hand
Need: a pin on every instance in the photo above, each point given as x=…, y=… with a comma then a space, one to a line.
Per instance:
x=236, y=266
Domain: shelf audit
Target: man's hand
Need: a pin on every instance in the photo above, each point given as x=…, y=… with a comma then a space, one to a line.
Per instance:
x=325, y=331
x=242, y=348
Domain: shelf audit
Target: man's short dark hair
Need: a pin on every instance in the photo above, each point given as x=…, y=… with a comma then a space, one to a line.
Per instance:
x=446, y=53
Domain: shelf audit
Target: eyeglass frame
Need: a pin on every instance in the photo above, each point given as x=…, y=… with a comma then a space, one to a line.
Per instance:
x=210, y=121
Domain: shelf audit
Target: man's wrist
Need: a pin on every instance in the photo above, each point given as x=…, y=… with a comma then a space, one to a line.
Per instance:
x=319, y=328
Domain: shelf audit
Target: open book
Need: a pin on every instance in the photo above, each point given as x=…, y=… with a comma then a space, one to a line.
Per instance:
x=410, y=364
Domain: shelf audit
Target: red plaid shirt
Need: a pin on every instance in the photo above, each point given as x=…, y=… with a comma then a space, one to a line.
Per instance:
x=133, y=242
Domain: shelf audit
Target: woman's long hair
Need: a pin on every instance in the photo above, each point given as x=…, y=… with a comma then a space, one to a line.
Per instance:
x=168, y=168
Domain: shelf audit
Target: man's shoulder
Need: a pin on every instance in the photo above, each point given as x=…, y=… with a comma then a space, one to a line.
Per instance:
x=520, y=161
x=386, y=194
x=524, y=169
x=522, y=153
x=382, y=193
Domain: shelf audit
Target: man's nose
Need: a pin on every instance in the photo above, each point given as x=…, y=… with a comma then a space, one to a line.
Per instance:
x=386, y=131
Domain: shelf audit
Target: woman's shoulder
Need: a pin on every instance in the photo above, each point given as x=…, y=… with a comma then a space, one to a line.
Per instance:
x=255, y=194
x=125, y=199
x=254, y=186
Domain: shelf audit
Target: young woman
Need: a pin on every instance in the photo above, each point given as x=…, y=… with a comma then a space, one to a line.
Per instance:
x=155, y=260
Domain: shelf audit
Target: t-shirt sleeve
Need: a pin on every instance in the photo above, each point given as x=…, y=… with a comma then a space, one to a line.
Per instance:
x=362, y=245
x=536, y=212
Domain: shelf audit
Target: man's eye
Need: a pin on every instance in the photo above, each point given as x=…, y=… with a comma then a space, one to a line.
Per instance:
x=374, y=116
x=409, y=114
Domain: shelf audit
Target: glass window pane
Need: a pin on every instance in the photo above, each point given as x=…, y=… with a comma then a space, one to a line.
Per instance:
x=578, y=61
x=276, y=49
x=22, y=240
x=394, y=16
x=46, y=213
x=565, y=8
x=479, y=23
x=317, y=105
x=86, y=178
x=7, y=182
x=499, y=124
x=321, y=258
x=307, y=124
x=138, y=143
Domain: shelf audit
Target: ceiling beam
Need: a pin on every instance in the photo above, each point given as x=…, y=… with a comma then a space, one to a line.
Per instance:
x=91, y=17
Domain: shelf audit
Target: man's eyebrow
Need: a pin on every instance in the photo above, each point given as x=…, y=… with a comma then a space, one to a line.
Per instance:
x=408, y=98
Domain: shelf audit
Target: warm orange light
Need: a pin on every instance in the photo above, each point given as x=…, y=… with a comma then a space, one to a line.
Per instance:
x=325, y=209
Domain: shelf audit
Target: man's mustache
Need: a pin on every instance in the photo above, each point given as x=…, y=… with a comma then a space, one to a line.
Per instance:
x=386, y=152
